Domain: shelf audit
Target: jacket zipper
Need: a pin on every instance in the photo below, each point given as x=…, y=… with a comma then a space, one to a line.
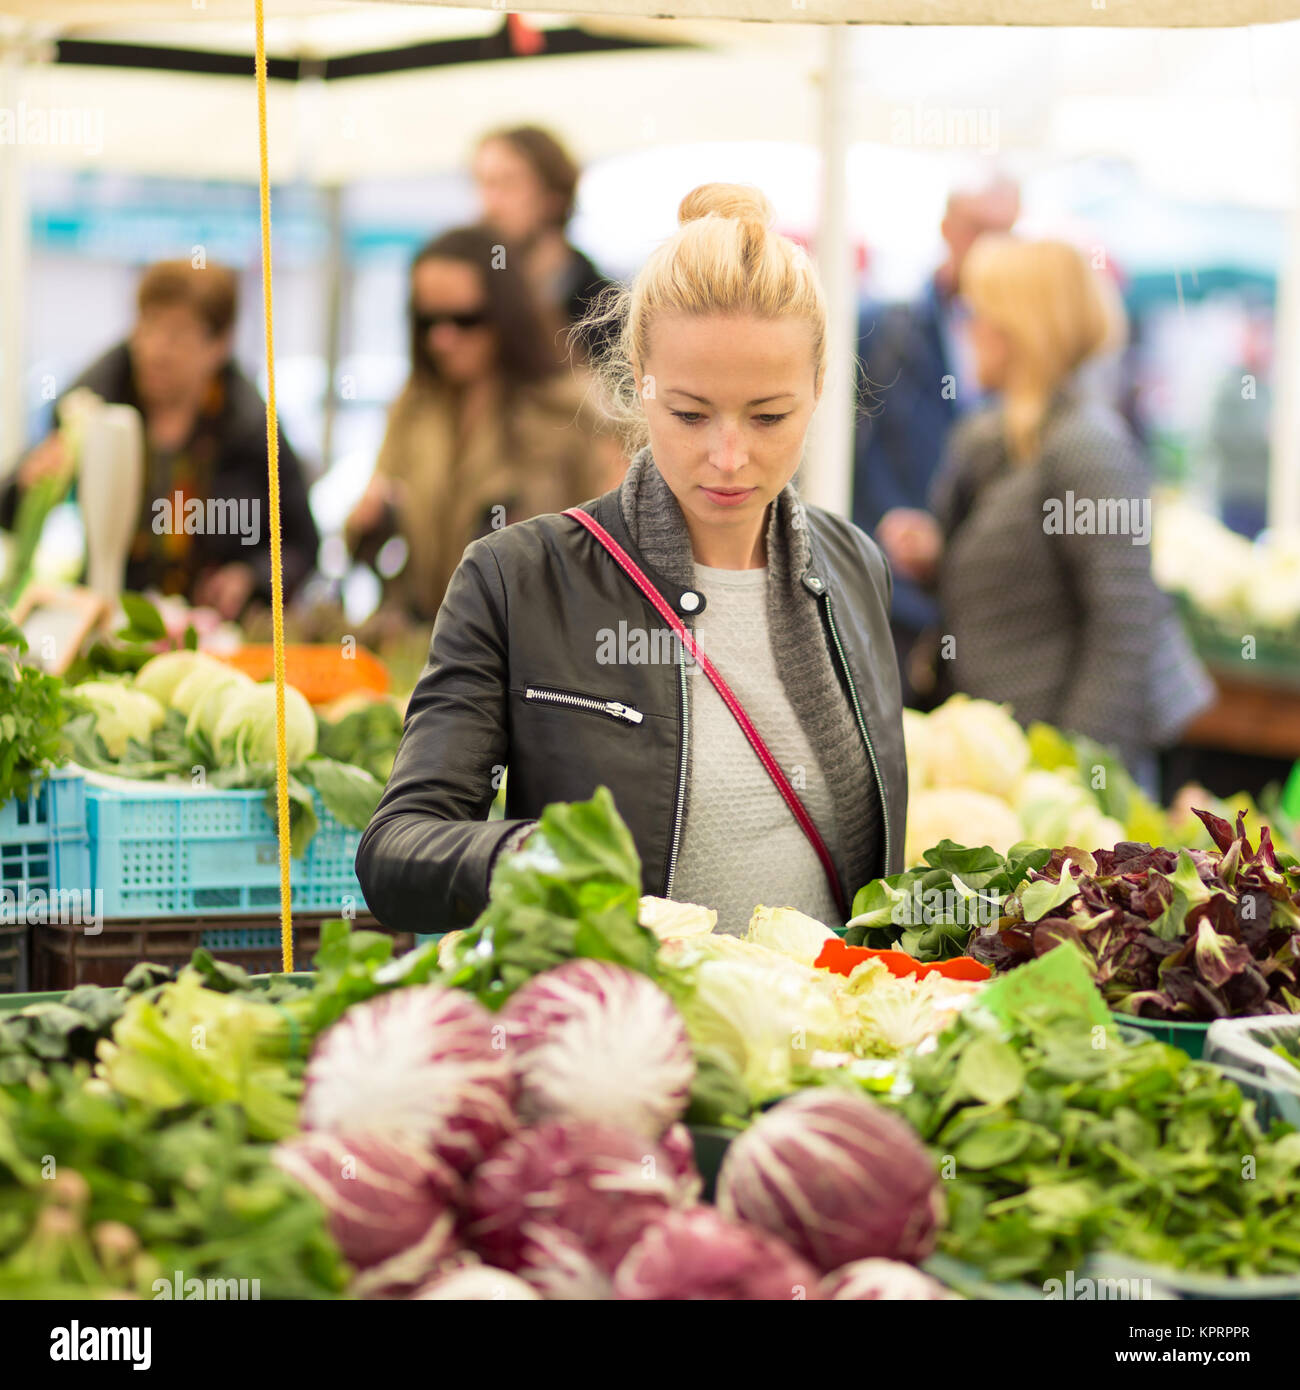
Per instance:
x=862, y=723
x=675, y=844
x=614, y=708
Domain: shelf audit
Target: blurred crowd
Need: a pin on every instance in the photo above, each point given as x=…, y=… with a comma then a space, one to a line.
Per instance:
x=982, y=403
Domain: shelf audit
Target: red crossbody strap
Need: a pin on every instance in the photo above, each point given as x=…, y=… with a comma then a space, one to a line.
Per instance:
x=634, y=572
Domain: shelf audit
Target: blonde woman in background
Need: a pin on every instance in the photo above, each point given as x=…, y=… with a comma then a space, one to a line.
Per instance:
x=720, y=363
x=1038, y=545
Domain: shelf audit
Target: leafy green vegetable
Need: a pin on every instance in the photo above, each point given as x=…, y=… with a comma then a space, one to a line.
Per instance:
x=350, y=794
x=103, y=1193
x=34, y=507
x=189, y=1045
x=929, y=911
x=1186, y=935
x=571, y=890
x=367, y=738
x=33, y=709
x=1060, y=1140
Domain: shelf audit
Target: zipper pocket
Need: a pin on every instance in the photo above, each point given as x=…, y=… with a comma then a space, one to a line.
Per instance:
x=615, y=709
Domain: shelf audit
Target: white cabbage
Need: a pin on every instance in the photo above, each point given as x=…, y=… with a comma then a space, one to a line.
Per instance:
x=121, y=714
x=668, y=919
x=792, y=933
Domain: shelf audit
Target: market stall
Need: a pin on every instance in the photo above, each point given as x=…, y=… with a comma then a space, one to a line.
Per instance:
x=1033, y=1060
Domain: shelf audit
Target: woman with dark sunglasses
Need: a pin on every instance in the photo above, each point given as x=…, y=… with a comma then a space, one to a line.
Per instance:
x=488, y=429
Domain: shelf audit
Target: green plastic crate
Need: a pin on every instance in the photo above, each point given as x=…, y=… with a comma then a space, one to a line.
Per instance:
x=1190, y=1037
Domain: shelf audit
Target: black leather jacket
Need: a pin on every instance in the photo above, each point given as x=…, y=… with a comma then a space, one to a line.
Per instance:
x=514, y=632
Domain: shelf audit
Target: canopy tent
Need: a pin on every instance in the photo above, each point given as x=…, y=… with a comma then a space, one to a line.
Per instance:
x=1189, y=97
x=1158, y=14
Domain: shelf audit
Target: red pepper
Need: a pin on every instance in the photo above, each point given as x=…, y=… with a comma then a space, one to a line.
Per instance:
x=841, y=959
x=964, y=968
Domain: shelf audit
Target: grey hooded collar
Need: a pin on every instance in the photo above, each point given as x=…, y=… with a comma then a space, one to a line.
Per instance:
x=655, y=522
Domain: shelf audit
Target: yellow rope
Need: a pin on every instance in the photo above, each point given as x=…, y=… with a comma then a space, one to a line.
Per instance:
x=273, y=521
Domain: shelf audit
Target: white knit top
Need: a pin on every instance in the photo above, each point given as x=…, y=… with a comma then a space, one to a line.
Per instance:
x=741, y=846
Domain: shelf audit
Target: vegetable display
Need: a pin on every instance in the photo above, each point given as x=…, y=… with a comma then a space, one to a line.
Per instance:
x=139, y=1194
x=390, y=1204
x=561, y=1204
x=1061, y=1140
x=572, y=890
x=516, y=1112
x=1185, y=936
x=184, y=710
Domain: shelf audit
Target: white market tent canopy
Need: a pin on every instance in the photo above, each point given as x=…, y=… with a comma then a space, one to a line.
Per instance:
x=1207, y=113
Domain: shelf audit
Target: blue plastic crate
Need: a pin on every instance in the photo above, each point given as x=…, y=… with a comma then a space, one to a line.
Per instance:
x=164, y=852
x=43, y=836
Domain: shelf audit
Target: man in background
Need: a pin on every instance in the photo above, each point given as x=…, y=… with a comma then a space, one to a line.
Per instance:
x=204, y=437
x=919, y=382
x=527, y=185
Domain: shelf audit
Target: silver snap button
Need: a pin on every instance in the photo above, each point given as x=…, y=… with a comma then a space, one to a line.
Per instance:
x=689, y=601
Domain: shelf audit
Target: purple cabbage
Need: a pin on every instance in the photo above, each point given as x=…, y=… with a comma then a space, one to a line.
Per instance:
x=426, y=1062
x=699, y=1254
x=590, y=1040
x=561, y=1204
x=837, y=1177
x=390, y=1204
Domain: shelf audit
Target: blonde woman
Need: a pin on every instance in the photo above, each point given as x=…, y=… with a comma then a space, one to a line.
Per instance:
x=1038, y=544
x=550, y=657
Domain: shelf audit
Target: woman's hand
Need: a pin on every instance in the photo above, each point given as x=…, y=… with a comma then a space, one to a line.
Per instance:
x=913, y=541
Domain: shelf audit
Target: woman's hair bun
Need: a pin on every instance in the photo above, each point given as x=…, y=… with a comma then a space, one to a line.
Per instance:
x=732, y=200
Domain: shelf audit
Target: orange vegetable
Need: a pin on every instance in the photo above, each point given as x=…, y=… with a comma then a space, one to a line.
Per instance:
x=321, y=672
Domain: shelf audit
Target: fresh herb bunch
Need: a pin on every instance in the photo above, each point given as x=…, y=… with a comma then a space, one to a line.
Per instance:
x=572, y=890
x=1187, y=935
x=1063, y=1141
x=135, y=1195
x=33, y=710
x=929, y=912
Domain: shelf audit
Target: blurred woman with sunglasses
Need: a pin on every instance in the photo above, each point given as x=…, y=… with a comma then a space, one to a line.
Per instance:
x=488, y=430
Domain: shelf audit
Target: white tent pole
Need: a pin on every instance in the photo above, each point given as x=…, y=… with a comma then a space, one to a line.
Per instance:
x=14, y=236
x=827, y=478
x=1284, y=455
